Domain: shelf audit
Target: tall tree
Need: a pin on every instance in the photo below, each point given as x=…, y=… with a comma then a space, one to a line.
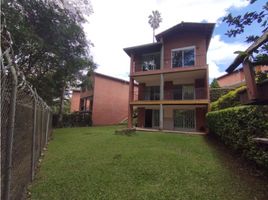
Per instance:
x=239, y=23
x=154, y=21
x=214, y=84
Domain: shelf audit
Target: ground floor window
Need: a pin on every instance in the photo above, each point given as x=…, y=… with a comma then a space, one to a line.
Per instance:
x=184, y=119
x=155, y=118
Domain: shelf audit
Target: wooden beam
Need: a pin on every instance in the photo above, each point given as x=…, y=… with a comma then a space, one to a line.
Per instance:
x=252, y=89
x=240, y=58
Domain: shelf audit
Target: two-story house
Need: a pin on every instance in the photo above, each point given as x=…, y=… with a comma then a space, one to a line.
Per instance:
x=172, y=77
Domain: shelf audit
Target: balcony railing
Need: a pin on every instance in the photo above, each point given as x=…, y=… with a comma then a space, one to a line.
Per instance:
x=173, y=94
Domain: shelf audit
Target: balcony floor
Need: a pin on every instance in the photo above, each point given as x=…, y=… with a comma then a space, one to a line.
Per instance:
x=171, y=102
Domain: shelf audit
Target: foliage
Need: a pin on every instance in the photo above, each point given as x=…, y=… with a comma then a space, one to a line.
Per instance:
x=240, y=22
x=230, y=99
x=73, y=120
x=49, y=44
x=216, y=93
x=94, y=163
x=237, y=127
x=214, y=84
x=261, y=76
x=154, y=20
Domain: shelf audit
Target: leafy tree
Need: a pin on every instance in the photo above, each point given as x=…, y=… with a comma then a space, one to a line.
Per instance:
x=239, y=23
x=154, y=21
x=214, y=84
x=49, y=44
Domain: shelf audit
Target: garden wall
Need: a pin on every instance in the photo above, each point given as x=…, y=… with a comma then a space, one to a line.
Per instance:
x=237, y=126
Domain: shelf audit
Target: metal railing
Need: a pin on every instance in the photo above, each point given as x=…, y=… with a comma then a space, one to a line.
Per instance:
x=173, y=94
x=26, y=125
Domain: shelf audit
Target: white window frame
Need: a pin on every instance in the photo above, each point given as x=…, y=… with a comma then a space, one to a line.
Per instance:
x=181, y=49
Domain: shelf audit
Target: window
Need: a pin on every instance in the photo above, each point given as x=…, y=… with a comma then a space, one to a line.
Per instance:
x=151, y=61
x=184, y=92
x=184, y=119
x=152, y=93
x=155, y=118
x=183, y=57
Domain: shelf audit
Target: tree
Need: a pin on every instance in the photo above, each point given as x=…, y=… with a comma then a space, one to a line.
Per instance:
x=214, y=84
x=50, y=46
x=154, y=21
x=239, y=23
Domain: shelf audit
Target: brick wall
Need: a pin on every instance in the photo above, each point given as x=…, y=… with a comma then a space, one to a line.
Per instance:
x=110, y=103
x=185, y=40
x=75, y=101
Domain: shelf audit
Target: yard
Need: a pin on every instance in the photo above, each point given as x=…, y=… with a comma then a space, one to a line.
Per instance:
x=94, y=163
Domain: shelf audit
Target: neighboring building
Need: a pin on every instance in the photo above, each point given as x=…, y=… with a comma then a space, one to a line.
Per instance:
x=255, y=93
x=107, y=100
x=237, y=77
x=172, y=74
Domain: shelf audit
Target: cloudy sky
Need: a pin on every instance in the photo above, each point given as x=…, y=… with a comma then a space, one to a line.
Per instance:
x=117, y=24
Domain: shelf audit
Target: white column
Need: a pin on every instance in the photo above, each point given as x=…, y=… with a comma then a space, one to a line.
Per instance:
x=161, y=114
x=161, y=87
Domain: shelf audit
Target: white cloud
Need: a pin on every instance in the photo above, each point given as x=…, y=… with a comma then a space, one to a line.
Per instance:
x=117, y=24
x=221, y=53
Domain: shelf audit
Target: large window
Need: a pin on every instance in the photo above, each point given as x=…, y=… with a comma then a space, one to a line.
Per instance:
x=152, y=93
x=183, y=57
x=184, y=119
x=184, y=92
x=151, y=61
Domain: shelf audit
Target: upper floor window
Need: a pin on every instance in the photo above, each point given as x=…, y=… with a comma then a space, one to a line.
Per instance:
x=183, y=57
x=151, y=61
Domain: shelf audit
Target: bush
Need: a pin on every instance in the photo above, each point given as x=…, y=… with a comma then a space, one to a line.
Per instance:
x=237, y=126
x=72, y=120
x=216, y=93
x=230, y=99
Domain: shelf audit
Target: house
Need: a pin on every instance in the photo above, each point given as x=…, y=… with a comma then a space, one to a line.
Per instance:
x=237, y=77
x=255, y=93
x=172, y=77
x=107, y=100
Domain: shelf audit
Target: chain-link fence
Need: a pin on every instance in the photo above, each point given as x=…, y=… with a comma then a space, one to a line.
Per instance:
x=26, y=125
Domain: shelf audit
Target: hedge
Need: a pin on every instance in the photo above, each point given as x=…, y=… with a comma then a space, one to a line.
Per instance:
x=230, y=99
x=216, y=93
x=237, y=126
x=73, y=120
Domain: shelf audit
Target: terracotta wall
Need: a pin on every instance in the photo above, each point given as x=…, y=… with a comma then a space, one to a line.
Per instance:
x=110, y=103
x=201, y=119
x=232, y=79
x=75, y=101
x=141, y=117
x=185, y=40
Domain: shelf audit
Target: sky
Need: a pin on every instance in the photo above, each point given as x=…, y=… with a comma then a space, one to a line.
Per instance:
x=118, y=24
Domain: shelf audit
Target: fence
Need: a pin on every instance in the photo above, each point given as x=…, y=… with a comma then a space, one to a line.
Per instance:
x=26, y=125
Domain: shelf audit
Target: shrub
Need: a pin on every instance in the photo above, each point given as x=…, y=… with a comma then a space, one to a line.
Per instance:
x=73, y=120
x=237, y=126
x=230, y=99
x=216, y=93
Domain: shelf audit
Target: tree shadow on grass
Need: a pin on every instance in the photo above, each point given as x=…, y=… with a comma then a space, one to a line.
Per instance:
x=234, y=161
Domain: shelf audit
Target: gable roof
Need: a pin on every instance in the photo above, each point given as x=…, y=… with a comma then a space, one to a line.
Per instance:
x=145, y=48
x=205, y=28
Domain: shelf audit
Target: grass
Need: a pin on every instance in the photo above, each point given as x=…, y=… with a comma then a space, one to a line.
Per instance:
x=94, y=163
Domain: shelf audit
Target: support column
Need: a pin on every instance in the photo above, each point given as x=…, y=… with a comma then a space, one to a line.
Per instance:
x=130, y=107
x=161, y=87
x=161, y=114
x=250, y=80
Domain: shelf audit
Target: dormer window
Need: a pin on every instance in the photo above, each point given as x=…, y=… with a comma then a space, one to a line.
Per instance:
x=183, y=57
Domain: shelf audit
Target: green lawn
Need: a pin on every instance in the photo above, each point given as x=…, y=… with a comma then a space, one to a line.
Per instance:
x=94, y=163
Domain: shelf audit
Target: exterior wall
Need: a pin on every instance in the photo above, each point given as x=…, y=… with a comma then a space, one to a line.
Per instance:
x=141, y=117
x=110, y=101
x=201, y=119
x=168, y=87
x=185, y=40
x=168, y=119
x=233, y=79
x=75, y=101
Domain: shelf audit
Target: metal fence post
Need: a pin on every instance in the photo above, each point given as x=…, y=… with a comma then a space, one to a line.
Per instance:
x=33, y=138
x=48, y=119
x=10, y=131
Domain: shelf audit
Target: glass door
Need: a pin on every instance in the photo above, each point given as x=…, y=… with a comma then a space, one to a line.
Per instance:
x=184, y=119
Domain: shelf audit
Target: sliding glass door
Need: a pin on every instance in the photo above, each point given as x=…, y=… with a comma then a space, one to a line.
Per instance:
x=184, y=119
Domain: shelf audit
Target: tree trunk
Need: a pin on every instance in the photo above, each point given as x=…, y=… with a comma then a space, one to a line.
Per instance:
x=61, y=105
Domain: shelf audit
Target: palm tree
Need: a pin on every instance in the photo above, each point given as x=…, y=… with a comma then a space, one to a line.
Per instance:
x=154, y=21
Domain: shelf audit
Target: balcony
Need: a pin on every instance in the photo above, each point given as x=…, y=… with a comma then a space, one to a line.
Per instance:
x=177, y=94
